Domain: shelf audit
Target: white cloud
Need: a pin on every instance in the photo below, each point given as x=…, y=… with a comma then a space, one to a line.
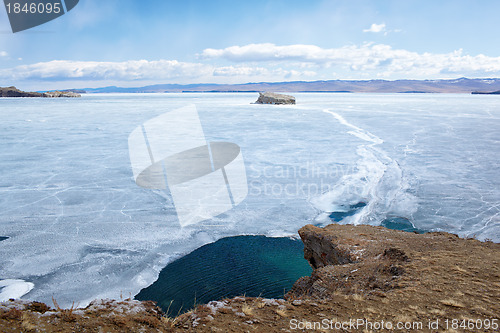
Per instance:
x=240, y=71
x=141, y=70
x=266, y=62
x=379, y=59
x=248, y=71
x=60, y=70
x=376, y=28
x=3, y=54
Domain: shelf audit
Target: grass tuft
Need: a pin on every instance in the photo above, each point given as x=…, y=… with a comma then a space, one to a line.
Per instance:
x=26, y=324
x=65, y=314
x=247, y=309
x=282, y=313
x=452, y=303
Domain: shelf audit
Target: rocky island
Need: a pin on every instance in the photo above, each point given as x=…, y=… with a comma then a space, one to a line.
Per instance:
x=14, y=92
x=274, y=98
x=486, y=92
x=363, y=277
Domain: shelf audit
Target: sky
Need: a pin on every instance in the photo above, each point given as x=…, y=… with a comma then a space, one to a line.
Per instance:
x=135, y=43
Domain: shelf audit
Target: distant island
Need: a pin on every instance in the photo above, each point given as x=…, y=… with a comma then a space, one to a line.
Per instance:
x=461, y=85
x=14, y=92
x=490, y=86
x=486, y=93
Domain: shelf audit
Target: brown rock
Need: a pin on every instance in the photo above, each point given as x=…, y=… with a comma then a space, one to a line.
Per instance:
x=273, y=98
x=14, y=92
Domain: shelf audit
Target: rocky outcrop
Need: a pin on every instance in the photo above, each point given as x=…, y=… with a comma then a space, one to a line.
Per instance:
x=14, y=92
x=274, y=98
x=369, y=275
x=61, y=94
x=352, y=259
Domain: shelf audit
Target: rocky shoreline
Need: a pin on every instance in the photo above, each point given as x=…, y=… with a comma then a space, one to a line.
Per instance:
x=14, y=92
x=362, y=276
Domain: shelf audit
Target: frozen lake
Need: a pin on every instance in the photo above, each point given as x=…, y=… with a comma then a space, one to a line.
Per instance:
x=79, y=227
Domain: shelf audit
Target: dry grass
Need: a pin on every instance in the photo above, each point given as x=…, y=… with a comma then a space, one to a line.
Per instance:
x=38, y=307
x=147, y=321
x=438, y=312
x=452, y=303
x=26, y=323
x=385, y=300
x=371, y=310
x=119, y=321
x=259, y=304
x=65, y=314
x=403, y=318
x=460, y=269
x=12, y=314
x=247, y=309
x=282, y=313
x=168, y=321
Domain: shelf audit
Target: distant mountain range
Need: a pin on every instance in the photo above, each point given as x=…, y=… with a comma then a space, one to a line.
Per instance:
x=462, y=85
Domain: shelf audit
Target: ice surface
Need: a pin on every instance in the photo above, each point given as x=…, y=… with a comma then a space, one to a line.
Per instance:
x=376, y=190
x=80, y=228
x=14, y=289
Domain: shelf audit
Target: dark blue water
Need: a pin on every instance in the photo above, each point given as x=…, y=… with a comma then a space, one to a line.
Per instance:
x=235, y=266
x=401, y=223
x=339, y=216
x=395, y=222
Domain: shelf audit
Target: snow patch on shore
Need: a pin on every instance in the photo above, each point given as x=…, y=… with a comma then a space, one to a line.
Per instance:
x=14, y=289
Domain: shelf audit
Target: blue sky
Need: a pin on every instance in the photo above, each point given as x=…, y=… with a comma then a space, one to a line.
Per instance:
x=133, y=43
